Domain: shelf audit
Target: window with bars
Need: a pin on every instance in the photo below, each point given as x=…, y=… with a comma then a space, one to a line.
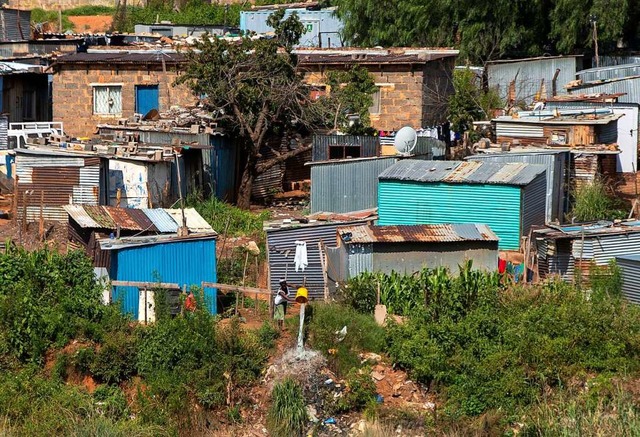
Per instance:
x=107, y=99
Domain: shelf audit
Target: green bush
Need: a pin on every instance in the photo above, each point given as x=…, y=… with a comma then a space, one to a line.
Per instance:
x=593, y=202
x=223, y=217
x=504, y=353
x=111, y=402
x=360, y=391
x=287, y=414
x=114, y=361
x=363, y=335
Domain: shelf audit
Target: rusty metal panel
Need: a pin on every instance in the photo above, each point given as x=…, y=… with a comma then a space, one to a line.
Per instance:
x=100, y=216
x=364, y=234
x=142, y=219
x=80, y=216
x=122, y=218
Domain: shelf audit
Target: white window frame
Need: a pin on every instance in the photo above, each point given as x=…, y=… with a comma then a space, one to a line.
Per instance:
x=109, y=86
x=376, y=107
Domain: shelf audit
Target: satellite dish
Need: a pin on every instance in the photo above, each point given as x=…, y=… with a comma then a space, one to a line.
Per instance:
x=405, y=140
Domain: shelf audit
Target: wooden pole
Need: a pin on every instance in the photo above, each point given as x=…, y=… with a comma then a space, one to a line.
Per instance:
x=41, y=227
x=244, y=273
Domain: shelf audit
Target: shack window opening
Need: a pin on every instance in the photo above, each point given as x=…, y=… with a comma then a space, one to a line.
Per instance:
x=375, y=106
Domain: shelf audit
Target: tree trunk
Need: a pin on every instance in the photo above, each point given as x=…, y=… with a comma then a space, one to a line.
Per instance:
x=246, y=181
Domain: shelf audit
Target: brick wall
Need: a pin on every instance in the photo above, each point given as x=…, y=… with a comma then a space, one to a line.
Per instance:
x=73, y=94
x=409, y=96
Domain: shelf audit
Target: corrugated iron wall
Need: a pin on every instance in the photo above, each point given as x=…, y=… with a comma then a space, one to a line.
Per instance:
x=529, y=74
x=555, y=163
x=630, y=272
x=629, y=86
x=346, y=186
x=281, y=250
x=48, y=182
x=360, y=259
x=411, y=203
x=534, y=200
x=608, y=61
x=173, y=262
x=609, y=72
x=369, y=145
x=15, y=25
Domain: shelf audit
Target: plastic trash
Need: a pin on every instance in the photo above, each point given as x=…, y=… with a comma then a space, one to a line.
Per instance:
x=379, y=398
x=328, y=381
x=330, y=421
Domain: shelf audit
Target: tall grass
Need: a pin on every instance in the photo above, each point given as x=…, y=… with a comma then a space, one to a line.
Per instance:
x=287, y=414
x=593, y=202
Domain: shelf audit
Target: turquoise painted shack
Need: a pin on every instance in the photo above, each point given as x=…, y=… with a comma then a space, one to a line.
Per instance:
x=509, y=197
x=185, y=261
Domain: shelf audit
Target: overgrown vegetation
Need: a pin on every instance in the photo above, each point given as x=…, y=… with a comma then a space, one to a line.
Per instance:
x=470, y=102
x=54, y=329
x=287, y=414
x=594, y=202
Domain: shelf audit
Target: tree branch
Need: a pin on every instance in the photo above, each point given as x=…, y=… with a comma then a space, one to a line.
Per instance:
x=266, y=165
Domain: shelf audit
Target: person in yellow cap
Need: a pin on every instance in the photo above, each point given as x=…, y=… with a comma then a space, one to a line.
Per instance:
x=280, y=302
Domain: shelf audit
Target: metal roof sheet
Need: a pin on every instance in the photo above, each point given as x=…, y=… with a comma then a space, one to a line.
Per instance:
x=122, y=218
x=123, y=57
x=127, y=242
x=479, y=172
x=100, y=216
x=141, y=219
x=162, y=220
x=78, y=213
x=363, y=234
x=195, y=222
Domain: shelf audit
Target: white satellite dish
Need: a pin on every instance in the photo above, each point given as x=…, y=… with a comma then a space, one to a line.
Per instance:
x=405, y=140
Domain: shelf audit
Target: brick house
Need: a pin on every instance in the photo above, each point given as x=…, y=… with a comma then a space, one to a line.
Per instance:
x=102, y=86
x=414, y=84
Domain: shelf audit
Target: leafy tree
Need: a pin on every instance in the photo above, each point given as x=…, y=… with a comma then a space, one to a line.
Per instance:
x=470, y=102
x=257, y=93
x=490, y=30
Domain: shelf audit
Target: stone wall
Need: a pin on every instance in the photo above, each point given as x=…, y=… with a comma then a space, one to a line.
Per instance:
x=73, y=93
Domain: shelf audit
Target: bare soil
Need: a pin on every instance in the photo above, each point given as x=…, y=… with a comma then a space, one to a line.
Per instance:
x=91, y=23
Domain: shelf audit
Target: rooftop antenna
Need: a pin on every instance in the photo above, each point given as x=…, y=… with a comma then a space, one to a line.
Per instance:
x=405, y=140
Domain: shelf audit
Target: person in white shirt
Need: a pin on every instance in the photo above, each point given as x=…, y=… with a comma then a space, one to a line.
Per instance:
x=280, y=302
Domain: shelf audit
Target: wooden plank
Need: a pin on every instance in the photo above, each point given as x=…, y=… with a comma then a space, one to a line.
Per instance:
x=226, y=287
x=147, y=285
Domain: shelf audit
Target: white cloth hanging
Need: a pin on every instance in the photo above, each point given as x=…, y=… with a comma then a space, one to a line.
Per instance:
x=300, y=260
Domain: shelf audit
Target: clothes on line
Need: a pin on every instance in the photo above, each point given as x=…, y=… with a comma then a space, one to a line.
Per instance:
x=300, y=260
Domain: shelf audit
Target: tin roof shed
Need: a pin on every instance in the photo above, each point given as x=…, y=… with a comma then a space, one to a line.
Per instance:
x=509, y=197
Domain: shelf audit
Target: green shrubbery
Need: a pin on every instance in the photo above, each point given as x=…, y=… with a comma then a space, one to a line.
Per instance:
x=507, y=349
x=593, y=202
x=363, y=335
x=287, y=414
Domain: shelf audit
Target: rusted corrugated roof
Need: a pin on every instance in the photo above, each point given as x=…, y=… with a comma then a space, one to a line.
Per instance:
x=142, y=219
x=123, y=219
x=80, y=216
x=363, y=56
x=100, y=216
x=363, y=234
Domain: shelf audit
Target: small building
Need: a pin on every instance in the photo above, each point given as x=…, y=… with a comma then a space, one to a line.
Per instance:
x=414, y=84
x=318, y=233
x=322, y=27
x=101, y=86
x=556, y=162
x=345, y=185
x=48, y=180
x=572, y=249
x=509, y=197
x=185, y=261
x=522, y=80
x=15, y=24
x=630, y=271
x=408, y=249
x=24, y=90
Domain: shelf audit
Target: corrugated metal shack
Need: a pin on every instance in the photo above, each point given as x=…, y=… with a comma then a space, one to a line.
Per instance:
x=628, y=86
x=347, y=185
x=88, y=224
x=186, y=261
x=530, y=74
x=556, y=165
x=628, y=124
x=49, y=180
x=509, y=197
x=409, y=249
x=560, y=249
x=209, y=160
x=322, y=27
x=630, y=272
x=609, y=61
x=281, y=248
x=610, y=72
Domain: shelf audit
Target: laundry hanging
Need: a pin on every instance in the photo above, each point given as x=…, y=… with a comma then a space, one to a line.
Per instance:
x=300, y=260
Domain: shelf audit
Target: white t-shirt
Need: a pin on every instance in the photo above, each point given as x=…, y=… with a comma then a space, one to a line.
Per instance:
x=279, y=298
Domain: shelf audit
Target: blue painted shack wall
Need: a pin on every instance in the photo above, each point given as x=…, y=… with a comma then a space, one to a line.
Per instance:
x=181, y=262
x=412, y=203
x=223, y=174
